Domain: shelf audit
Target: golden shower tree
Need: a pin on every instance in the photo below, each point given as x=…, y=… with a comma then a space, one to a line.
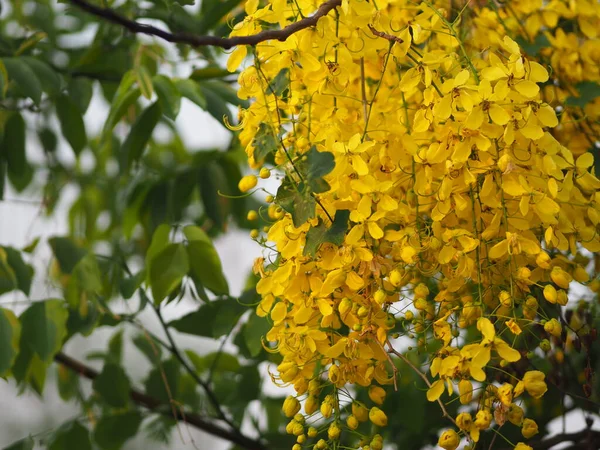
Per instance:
x=430, y=229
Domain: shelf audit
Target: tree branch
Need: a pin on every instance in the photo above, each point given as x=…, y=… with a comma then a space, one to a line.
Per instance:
x=153, y=404
x=199, y=41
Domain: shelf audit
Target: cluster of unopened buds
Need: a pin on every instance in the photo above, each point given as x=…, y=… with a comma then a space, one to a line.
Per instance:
x=428, y=189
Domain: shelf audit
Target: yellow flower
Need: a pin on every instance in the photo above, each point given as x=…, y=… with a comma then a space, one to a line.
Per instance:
x=560, y=277
x=529, y=428
x=248, y=182
x=533, y=382
x=334, y=431
x=360, y=411
x=550, y=293
x=505, y=394
x=483, y=419
x=377, y=394
x=464, y=421
x=465, y=390
x=521, y=446
x=378, y=417
x=291, y=406
x=352, y=422
x=515, y=414
x=553, y=327
x=514, y=327
x=449, y=440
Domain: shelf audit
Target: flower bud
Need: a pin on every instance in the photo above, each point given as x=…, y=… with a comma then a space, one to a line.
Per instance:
x=515, y=414
x=252, y=215
x=464, y=421
x=291, y=406
x=529, y=428
x=550, y=293
x=326, y=409
x=264, y=173
x=378, y=417
x=311, y=404
x=377, y=394
x=553, y=327
x=449, y=440
x=360, y=412
x=334, y=431
x=248, y=182
x=352, y=422
x=560, y=277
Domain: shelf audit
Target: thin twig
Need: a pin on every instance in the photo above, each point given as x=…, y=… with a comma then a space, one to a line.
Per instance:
x=155, y=405
x=206, y=40
x=207, y=389
x=421, y=374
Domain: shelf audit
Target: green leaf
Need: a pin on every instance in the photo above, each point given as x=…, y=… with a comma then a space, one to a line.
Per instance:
x=23, y=444
x=128, y=286
x=297, y=201
x=8, y=278
x=13, y=147
x=213, y=319
x=10, y=333
x=212, y=180
x=213, y=11
x=112, y=431
x=169, y=372
x=23, y=75
x=118, y=109
x=115, y=348
x=533, y=48
x=264, y=142
x=3, y=80
x=208, y=72
x=144, y=81
x=253, y=331
x=44, y=328
x=168, y=95
x=588, y=91
x=67, y=253
x=71, y=123
x=215, y=106
x=81, y=91
x=50, y=80
x=320, y=234
x=140, y=133
x=190, y=90
x=71, y=436
x=280, y=83
x=205, y=264
x=318, y=164
x=23, y=272
x=113, y=385
x=149, y=347
x=215, y=361
x=167, y=271
x=224, y=91
x=67, y=381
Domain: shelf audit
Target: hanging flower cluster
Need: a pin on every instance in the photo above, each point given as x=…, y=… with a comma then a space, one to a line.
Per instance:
x=428, y=187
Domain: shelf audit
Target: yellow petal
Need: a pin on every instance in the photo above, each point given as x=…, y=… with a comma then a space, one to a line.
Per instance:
x=537, y=72
x=499, y=250
x=435, y=391
x=487, y=328
x=584, y=161
x=498, y=114
x=236, y=58
x=506, y=351
x=374, y=230
x=359, y=165
x=279, y=312
x=527, y=88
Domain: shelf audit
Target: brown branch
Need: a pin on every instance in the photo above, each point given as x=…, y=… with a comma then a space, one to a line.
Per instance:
x=155, y=405
x=199, y=41
x=389, y=37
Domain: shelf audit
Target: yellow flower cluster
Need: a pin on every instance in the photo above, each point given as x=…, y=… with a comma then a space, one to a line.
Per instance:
x=428, y=185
